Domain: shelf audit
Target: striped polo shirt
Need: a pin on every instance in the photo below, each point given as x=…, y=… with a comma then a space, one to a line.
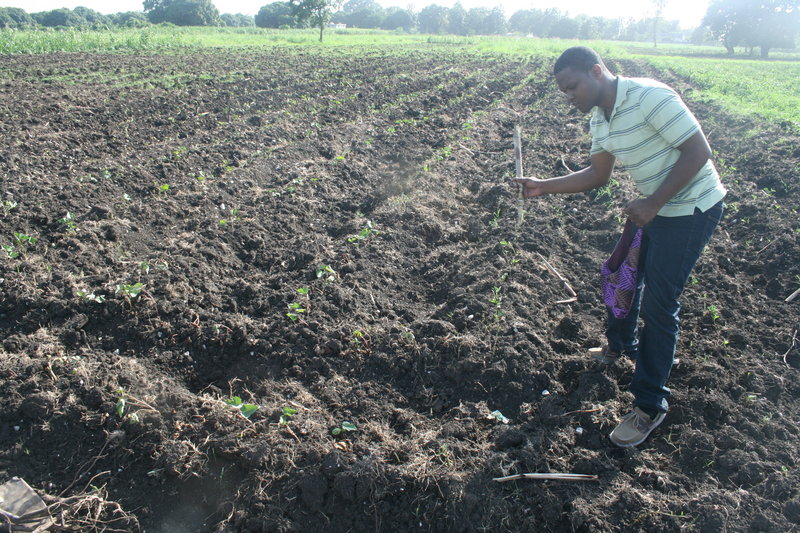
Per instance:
x=648, y=122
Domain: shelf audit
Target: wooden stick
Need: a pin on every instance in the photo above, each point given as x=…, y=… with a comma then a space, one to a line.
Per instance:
x=537, y=475
x=792, y=296
x=554, y=272
x=518, y=167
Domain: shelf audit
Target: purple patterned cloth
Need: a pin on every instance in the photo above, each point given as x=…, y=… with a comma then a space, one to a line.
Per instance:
x=619, y=273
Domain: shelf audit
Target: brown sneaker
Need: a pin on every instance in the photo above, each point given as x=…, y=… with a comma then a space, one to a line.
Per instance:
x=635, y=427
x=604, y=355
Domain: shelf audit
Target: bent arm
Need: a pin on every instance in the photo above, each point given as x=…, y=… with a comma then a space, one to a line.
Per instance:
x=694, y=154
x=595, y=175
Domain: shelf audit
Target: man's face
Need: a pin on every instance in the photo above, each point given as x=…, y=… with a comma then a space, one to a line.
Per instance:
x=581, y=88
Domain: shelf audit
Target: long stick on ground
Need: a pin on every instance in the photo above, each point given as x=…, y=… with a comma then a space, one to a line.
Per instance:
x=518, y=167
x=554, y=272
x=550, y=475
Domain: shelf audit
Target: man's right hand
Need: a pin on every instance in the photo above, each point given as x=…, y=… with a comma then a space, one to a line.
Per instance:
x=531, y=187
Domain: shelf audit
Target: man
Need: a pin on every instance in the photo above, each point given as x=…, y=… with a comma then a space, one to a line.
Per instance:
x=645, y=125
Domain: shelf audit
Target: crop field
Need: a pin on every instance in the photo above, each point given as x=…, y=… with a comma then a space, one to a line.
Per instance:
x=290, y=288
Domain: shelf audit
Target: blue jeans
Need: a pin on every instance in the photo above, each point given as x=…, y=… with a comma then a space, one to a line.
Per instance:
x=670, y=249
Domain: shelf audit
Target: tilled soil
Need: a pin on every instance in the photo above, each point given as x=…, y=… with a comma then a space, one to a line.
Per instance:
x=332, y=237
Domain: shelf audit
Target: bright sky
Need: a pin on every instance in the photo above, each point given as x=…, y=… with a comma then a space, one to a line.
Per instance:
x=688, y=12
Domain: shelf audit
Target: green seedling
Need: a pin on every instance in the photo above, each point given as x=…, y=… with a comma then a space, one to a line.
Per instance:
x=713, y=312
x=509, y=250
x=495, y=218
x=162, y=188
x=303, y=291
x=130, y=291
x=234, y=218
x=295, y=308
x=19, y=246
x=326, y=273
x=496, y=298
x=363, y=234
x=92, y=297
x=286, y=415
x=8, y=206
x=245, y=409
x=345, y=427
x=126, y=401
x=69, y=222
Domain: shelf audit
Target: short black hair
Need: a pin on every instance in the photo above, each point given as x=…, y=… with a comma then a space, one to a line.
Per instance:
x=581, y=58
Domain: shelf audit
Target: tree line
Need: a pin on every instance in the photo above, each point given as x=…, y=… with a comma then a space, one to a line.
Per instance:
x=765, y=24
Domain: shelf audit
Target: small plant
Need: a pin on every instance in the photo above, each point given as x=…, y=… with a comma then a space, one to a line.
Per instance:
x=245, y=409
x=8, y=206
x=444, y=455
x=496, y=298
x=363, y=234
x=130, y=291
x=713, y=312
x=295, y=309
x=510, y=252
x=162, y=188
x=20, y=245
x=497, y=301
x=326, y=273
x=92, y=297
x=126, y=401
x=286, y=415
x=69, y=222
x=234, y=217
x=495, y=218
x=344, y=427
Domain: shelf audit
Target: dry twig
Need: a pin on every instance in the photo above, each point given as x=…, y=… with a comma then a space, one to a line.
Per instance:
x=548, y=475
x=794, y=343
x=555, y=273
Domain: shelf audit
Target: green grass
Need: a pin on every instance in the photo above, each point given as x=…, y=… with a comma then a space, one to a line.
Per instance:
x=767, y=89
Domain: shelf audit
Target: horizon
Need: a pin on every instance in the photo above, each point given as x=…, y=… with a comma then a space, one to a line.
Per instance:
x=687, y=12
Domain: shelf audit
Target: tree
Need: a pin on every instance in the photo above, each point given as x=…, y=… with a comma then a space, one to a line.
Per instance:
x=659, y=6
x=361, y=14
x=432, y=19
x=58, y=17
x=275, y=15
x=316, y=12
x=15, y=17
x=496, y=22
x=457, y=20
x=766, y=24
x=237, y=21
x=398, y=18
x=182, y=12
x=130, y=19
x=354, y=6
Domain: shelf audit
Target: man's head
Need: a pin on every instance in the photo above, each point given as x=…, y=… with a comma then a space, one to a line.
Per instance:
x=584, y=78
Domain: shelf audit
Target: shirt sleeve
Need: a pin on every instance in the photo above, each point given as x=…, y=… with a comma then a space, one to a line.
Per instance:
x=664, y=110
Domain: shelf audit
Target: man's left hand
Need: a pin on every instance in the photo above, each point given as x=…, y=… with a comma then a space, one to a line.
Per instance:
x=642, y=211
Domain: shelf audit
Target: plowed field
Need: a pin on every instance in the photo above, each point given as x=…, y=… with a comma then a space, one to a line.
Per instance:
x=161, y=212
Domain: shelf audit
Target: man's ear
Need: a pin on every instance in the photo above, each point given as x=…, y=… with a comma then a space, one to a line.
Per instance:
x=597, y=71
